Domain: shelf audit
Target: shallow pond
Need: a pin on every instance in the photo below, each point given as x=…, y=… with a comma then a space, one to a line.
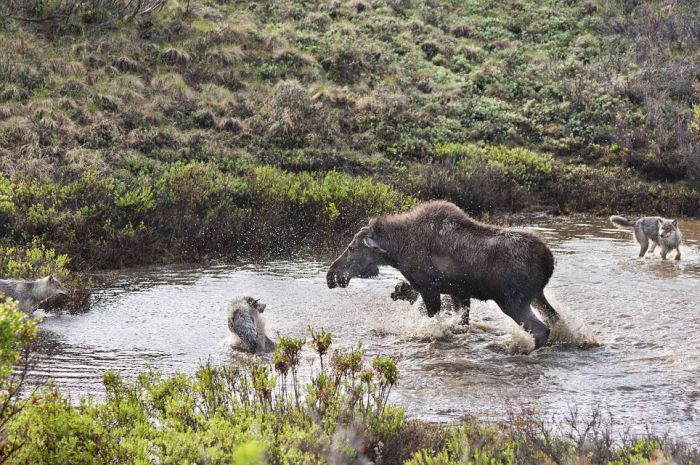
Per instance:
x=643, y=313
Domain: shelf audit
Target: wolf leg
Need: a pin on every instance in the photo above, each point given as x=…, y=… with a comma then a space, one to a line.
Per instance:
x=678, y=253
x=642, y=239
x=653, y=246
x=645, y=245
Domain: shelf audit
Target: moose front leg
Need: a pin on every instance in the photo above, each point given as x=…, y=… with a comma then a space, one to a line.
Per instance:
x=432, y=302
x=463, y=304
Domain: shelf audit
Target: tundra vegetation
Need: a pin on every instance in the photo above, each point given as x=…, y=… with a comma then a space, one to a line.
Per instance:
x=154, y=131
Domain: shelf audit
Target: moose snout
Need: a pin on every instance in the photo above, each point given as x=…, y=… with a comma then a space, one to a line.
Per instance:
x=330, y=280
x=336, y=280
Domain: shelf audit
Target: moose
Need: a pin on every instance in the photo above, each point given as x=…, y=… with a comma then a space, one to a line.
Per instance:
x=439, y=249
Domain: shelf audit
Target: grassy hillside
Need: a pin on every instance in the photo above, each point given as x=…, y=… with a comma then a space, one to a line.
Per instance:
x=229, y=126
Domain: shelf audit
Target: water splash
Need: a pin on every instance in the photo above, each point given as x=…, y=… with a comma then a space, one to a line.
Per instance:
x=570, y=329
x=412, y=324
x=520, y=342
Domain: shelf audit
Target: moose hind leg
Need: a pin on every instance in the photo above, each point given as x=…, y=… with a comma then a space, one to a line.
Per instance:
x=542, y=304
x=463, y=304
x=523, y=314
x=432, y=302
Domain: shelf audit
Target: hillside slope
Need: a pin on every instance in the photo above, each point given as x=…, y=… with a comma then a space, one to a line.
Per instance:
x=223, y=127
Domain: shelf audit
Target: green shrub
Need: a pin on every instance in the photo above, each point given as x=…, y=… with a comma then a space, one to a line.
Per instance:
x=16, y=334
x=242, y=413
x=526, y=168
x=332, y=199
x=253, y=412
x=35, y=261
x=7, y=207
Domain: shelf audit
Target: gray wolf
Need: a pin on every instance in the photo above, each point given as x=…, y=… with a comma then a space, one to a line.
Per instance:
x=439, y=249
x=244, y=321
x=30, y=294
x=404, y=291
x=656, y=230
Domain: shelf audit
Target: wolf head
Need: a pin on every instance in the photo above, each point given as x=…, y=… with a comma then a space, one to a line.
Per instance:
x=255, y=304
x=668, y=228
x=49, y=287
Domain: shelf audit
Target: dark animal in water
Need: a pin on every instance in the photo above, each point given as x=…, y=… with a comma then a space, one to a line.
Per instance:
x=30, y=294
x=404, y=291
x=244, y=321
x=439, y=249
x=656, y=230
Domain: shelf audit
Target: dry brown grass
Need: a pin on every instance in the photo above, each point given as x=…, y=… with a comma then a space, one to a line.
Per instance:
x=174, y=56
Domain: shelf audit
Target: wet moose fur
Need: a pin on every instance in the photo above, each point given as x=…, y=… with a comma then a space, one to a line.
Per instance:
x=439, y=249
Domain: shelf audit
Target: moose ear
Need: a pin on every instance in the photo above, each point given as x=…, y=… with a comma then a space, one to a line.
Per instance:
x=372, y=244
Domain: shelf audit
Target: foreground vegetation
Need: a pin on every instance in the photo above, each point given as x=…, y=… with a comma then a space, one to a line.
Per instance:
x=258, y=411
x=141, y=132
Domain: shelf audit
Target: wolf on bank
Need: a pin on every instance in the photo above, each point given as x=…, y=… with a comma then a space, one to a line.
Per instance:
x=30, y=294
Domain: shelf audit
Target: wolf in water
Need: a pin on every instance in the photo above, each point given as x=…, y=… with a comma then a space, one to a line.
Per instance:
x=404, y=291
x=656, y=230
x=30, y=294
x=244, y=321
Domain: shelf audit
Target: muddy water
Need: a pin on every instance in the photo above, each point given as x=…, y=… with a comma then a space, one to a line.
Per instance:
x=644, y=314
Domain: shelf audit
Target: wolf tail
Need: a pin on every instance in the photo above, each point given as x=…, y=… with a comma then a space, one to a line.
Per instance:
x=621, y=221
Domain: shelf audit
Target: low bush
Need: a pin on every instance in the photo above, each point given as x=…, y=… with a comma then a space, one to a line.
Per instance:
x=613, y=189
x=32, y=262
x=16, y=334
x=524, y=167
x=181, y=211
x=252, y=410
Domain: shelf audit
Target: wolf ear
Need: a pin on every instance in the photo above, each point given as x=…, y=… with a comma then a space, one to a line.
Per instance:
x=674, y=222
